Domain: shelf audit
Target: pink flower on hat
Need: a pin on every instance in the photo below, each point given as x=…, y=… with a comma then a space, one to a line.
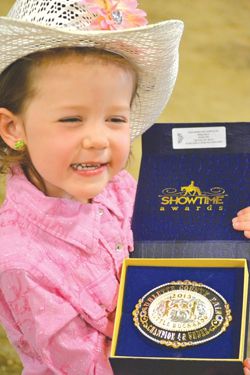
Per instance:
x=115, y=14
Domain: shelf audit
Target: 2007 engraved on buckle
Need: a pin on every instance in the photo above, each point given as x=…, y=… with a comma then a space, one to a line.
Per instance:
x=182, y=313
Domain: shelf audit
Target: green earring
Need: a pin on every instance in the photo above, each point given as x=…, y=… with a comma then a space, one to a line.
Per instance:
x=19, y=145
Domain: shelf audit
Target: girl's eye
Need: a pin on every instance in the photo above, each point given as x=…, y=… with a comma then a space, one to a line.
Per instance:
x=70, y=119
x=117, y=119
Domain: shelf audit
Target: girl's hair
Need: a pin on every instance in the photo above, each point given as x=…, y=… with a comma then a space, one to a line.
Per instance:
x=17, y=88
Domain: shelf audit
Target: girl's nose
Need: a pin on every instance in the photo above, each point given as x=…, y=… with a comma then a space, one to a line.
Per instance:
x=96, y=138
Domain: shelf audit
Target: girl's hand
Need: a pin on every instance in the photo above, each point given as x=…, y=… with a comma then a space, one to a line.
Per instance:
x=242, y=222
x=246, y=365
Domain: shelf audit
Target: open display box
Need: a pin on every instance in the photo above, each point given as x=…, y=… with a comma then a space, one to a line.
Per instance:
x=133, y=353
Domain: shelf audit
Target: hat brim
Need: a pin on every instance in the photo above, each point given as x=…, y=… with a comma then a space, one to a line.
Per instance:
x=153, y=48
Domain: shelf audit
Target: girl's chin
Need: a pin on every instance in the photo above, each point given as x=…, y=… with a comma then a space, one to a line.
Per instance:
x=86, y=198
x=83, y=192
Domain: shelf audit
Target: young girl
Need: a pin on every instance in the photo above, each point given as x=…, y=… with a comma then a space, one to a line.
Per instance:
x=77, y=83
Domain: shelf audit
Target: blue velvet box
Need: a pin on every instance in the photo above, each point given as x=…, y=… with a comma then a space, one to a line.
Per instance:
x=132, y=353
x=186, y=198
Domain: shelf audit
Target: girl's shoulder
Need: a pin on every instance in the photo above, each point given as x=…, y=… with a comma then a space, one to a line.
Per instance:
x=121, y=192
x=19, y=251
x=125, y=182
x=119, y=195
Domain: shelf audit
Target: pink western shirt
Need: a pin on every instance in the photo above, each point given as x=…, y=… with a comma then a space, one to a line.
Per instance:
x=60, y=264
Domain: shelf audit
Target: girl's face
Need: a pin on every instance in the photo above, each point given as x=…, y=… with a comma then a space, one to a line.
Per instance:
x=77, y=128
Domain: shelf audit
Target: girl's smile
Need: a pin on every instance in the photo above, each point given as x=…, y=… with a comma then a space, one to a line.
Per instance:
x=89, y=169
x=80, y=113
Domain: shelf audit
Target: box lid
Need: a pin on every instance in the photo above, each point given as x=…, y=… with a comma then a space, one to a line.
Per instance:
x=192, y=194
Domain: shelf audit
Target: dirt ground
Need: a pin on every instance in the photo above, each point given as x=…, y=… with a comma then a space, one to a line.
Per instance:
x=213, y=84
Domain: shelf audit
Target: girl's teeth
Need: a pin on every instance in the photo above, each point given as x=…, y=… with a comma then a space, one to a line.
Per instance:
x=85, y=167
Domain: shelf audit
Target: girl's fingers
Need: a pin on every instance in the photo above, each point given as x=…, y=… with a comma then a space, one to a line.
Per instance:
x=246, y=365
x=247, y=233
x=241, y=225
x=244, y=211
x=242, y=218
x=242, y=222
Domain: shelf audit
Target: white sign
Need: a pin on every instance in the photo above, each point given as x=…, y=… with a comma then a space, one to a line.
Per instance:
x=202, y=137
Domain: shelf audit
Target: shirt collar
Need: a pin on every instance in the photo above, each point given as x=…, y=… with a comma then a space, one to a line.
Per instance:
x=69, y=220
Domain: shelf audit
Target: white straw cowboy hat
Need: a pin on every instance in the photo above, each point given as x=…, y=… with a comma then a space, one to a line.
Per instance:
x=34, y=25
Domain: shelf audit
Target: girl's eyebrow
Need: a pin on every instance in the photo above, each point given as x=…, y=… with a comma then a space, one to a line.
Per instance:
x=119, y=108
x=82, y=107
x=70, y=107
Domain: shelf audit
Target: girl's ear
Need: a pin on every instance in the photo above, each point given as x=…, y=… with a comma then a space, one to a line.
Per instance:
x=11, y=127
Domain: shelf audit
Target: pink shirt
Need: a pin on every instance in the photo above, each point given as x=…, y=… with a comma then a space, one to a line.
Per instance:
x=60, y=264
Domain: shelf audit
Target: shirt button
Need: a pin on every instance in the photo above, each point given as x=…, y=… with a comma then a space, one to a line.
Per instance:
x=119, y=246
x=101, y=212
